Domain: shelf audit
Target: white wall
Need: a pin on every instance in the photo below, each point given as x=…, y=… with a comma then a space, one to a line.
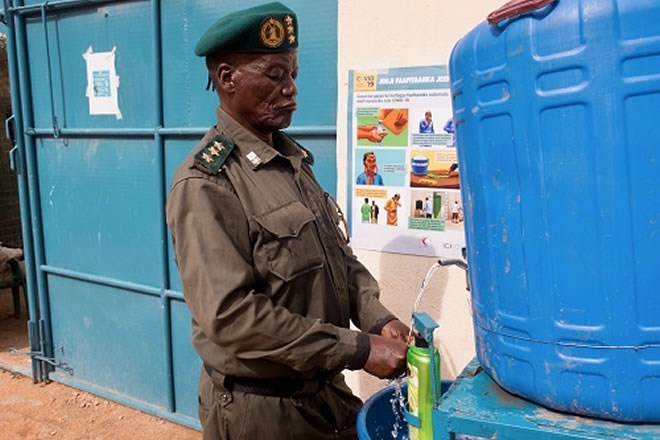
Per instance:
x=389, y=33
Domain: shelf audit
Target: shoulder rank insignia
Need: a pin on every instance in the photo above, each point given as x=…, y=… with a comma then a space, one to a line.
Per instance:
x=211, y=158
x=307, y=155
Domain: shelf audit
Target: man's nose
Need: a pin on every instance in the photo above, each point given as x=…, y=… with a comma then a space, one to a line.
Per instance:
x=290, y=88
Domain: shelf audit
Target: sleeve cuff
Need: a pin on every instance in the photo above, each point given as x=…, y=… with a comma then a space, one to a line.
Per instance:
x=378, y=327
x=352, y=349
x=361, y=354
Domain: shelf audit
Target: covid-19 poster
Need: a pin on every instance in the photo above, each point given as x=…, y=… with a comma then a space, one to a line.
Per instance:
x=404, y=191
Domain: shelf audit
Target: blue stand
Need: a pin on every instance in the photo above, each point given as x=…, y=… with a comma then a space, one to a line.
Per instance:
x=477, y=406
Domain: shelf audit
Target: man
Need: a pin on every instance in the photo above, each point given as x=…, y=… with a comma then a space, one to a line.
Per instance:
x=454, y=212
x=370, y=175
x=428, y=210
x=375, y=210
x=269, y=279
x=392, y=206
x=366, y=211
x=426, y=124
x=450, y=128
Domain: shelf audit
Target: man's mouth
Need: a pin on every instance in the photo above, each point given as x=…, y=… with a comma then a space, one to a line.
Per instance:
x=287, y=107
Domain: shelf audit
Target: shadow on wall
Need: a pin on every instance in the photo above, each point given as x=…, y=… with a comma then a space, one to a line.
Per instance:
x=400, y=283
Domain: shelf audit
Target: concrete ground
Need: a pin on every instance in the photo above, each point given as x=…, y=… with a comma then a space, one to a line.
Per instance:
x=56, y=411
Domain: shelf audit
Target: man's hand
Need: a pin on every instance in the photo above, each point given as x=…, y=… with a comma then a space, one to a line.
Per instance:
x=387, y=357
x=376, y=136
x=395, y=329
x=371, y=133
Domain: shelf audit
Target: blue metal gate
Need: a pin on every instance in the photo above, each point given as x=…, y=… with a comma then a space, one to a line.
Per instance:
x=106, y=310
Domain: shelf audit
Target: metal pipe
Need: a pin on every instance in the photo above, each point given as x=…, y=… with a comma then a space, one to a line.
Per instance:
x=33, y=315
x=57, y=5
x=56, y=130
x=33, y=193
x=305, y=130
x=167, y=347
x=91, y=132
x=103, y=281
x=460, y=263
x=162, y=227
x=298, y=130
x=312, y=130
x=173, y=294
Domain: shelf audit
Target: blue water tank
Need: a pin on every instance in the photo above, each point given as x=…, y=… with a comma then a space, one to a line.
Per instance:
x=559, y=150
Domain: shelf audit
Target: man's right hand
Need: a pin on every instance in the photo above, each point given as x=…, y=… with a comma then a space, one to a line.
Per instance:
x=387, y=357
x=371, y=133
x=376, y=136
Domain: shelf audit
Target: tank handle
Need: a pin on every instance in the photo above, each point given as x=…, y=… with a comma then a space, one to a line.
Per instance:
x=515, y=8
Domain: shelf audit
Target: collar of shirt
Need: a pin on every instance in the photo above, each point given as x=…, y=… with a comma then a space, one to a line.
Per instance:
x=254, y=149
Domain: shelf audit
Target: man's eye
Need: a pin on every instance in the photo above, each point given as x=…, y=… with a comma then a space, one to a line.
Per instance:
x=275, y=76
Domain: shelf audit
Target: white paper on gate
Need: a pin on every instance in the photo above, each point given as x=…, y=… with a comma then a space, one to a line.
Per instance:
x=102, y=83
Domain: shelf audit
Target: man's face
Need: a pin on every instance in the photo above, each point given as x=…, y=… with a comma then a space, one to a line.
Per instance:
x=370, y=166
x=265, y=91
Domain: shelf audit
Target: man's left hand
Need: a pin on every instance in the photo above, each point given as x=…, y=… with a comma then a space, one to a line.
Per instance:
x=395, y=329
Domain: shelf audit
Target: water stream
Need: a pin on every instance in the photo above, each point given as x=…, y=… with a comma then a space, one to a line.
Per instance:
x=399, y=402
x=422, y=289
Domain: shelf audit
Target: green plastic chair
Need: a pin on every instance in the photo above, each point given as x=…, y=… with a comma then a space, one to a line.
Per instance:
x=15, y=284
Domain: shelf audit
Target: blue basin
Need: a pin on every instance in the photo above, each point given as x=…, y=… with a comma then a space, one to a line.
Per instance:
x=376, y=419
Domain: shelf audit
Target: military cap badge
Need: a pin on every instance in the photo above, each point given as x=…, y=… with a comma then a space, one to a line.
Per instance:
x=271, y=27
x=271, y=32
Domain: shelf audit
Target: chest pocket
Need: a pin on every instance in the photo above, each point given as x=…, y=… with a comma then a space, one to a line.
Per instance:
x=290, y=241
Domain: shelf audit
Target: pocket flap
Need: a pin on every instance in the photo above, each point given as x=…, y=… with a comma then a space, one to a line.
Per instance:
x=287, y=220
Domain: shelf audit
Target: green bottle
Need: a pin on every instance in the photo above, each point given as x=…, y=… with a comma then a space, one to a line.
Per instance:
x=420, y=396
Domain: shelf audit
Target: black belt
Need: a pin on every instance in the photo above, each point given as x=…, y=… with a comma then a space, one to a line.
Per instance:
x=271, y=386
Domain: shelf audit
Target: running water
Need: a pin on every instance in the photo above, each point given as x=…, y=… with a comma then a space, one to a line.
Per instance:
x=398, y=402
x=418, y=300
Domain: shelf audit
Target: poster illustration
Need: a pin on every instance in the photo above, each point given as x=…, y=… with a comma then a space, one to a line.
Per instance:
x=404, y=187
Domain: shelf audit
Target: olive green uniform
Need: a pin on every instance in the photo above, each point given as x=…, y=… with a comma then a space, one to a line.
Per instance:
x=270, y=284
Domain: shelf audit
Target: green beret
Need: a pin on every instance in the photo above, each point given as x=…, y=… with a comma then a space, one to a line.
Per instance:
x=266, y=28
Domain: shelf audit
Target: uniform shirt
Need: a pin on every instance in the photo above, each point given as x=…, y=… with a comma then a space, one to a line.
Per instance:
x=270, y=283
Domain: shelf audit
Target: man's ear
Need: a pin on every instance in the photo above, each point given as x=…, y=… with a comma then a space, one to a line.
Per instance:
x=225, y=77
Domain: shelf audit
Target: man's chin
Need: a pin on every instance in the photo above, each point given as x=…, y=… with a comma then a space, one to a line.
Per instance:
x=280, y=123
